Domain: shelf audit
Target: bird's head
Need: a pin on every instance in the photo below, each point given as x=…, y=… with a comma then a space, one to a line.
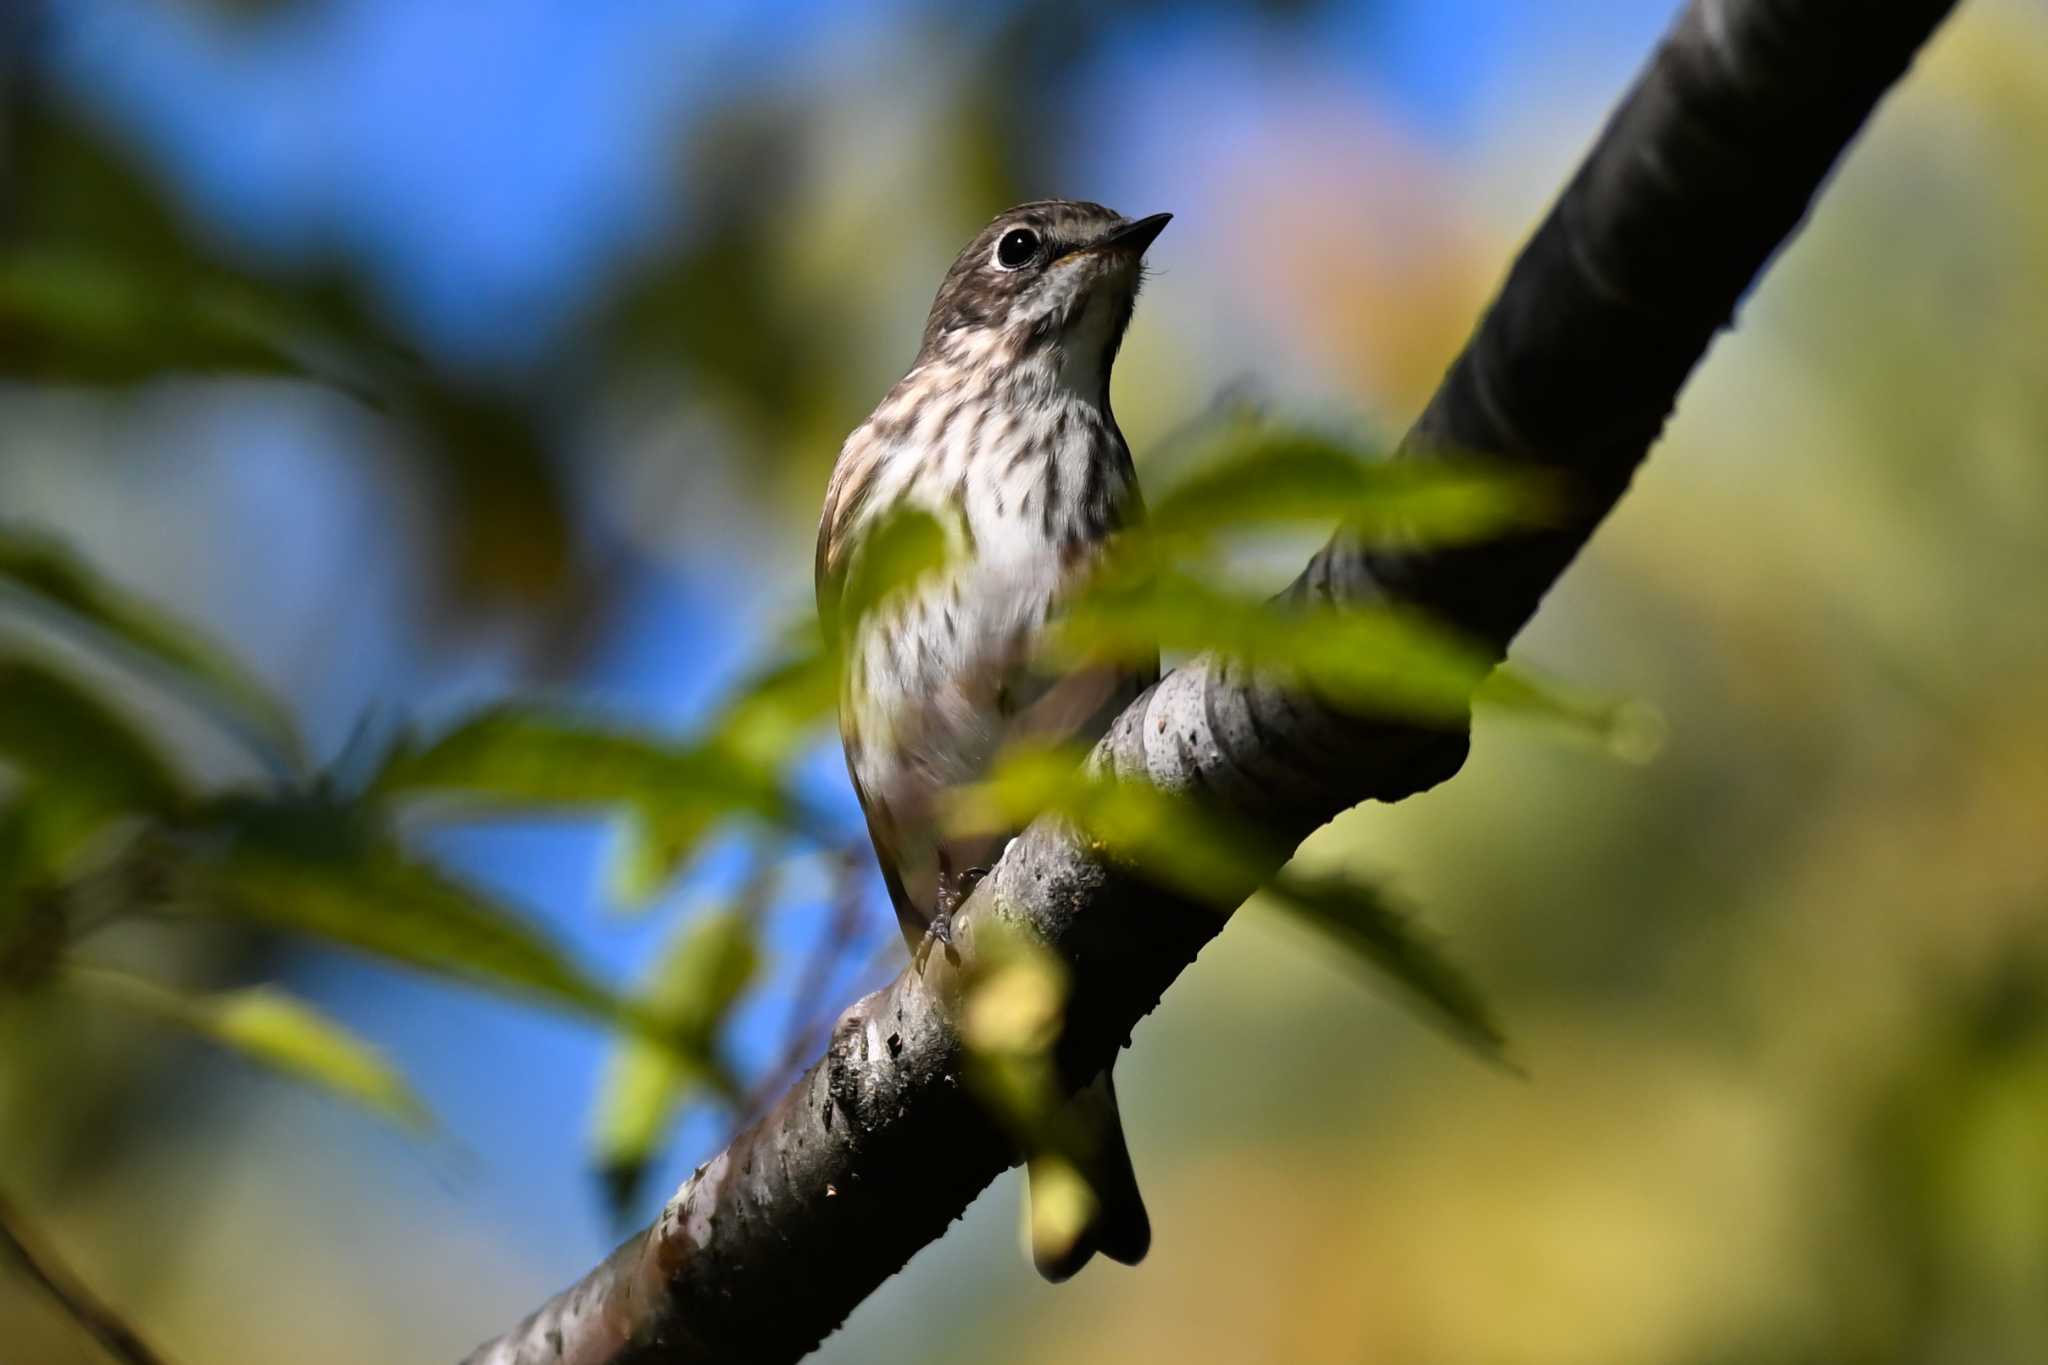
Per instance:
x=1053, y=281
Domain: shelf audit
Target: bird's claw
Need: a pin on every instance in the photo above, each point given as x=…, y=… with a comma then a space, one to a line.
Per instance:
x=953, y=893
x=940, y=929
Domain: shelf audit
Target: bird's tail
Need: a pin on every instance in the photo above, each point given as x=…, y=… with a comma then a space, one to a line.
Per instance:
x=1087, y=1199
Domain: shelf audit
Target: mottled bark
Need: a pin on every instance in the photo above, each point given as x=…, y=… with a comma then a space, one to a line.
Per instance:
x=1704, y=170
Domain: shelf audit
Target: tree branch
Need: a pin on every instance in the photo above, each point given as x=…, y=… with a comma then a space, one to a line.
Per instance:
x=1706, y=167
x=106, y=1326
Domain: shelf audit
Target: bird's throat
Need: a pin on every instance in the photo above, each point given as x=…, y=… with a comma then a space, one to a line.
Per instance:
x=1087, y=346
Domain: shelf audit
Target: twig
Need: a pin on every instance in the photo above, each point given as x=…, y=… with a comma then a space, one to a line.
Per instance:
x=809, y=1015
x=105, y=1325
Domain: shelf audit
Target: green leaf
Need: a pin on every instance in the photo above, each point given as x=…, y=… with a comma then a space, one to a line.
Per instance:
x=1258, y=473
x=1360, y=918
x=310, y=873
x=1176, y=844
x=701, y=977
x=276, y=1031
x=45, y=573
x=105, y=282
x=55, y=730
x=1630, y=730
x=44, y=832
x=891, y=556
x=1376, y=659
x=770, y=717
x=95, y=317
x=1381, y=660
x=33, y=926
x=1173, y=841
x=524, y=756
x=1013, y=1010
x=22, y=861
x=688, y=995
x=519, y=756
x=654, y=848
x=507, y=538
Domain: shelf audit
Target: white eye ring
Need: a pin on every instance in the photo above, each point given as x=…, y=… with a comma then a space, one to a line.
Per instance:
x=1015, y=249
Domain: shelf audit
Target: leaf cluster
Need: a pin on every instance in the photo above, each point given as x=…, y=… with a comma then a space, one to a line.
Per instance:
x=100, y=823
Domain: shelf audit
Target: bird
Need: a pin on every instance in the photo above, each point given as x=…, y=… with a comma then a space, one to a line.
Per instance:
x=1002, y=431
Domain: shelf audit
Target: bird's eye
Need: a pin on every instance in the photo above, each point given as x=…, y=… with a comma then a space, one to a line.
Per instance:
x=1017, y=248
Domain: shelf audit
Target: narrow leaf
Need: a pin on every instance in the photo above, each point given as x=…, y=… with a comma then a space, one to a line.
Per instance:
x=1013, y=1011
x=688, y=995
x=45, y=573
x=32, y=922
x=361, y=891
x=55, y=730
x=527, y=756
x=45, y=832
x=769, y=717
x=1377, y=659
x=675, y=794
x=97, y=318
x=1176, y=844
x=1259, y=473
x=1360, y=918
x=1630, y=730
x=276, y=1031
x=653, y=849
x=890, y=556
x=1173, y=841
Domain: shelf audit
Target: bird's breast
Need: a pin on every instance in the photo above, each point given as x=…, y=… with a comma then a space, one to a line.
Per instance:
x=1052, y=479
x=1039, y=489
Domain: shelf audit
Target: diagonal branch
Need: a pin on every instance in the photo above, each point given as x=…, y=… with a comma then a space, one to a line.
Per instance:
x=1704, y=170
x=40, y=1264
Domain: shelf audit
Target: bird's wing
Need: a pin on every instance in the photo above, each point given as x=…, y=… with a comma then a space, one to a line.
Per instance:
x=853, y=480
x=1080, y=705
x=893, y=846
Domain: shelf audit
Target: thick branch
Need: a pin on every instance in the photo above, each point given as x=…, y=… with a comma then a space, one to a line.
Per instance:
x=1704, y=170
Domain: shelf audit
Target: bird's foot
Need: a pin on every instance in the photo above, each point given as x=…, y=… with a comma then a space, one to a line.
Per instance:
x=953, y=893
x=940, y=930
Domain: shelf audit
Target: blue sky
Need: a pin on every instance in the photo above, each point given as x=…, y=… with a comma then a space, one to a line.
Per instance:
x=491, y=160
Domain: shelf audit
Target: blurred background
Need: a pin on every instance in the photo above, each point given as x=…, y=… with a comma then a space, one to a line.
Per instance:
x=1781, y=992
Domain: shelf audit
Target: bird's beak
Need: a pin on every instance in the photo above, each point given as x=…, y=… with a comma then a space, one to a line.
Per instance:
x=1135, y=236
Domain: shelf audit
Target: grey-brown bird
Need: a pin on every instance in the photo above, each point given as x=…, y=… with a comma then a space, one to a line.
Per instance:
x=1002, y=429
